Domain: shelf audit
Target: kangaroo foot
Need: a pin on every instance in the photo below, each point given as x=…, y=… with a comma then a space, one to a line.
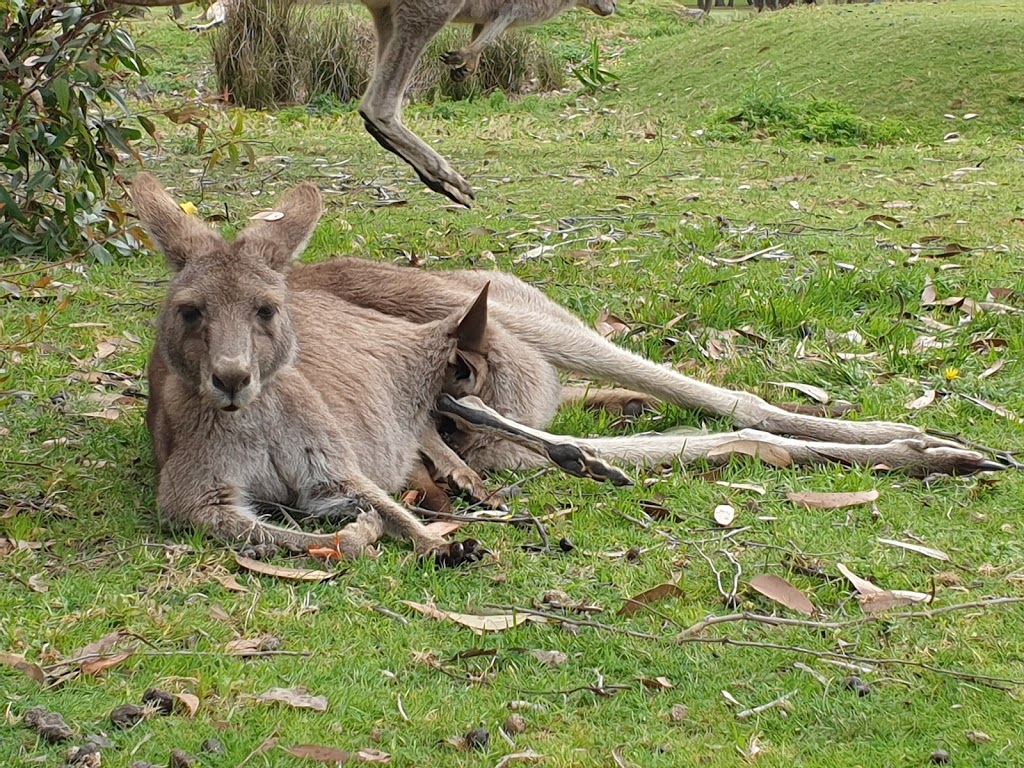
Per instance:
x=439, y=178
x=452, y=554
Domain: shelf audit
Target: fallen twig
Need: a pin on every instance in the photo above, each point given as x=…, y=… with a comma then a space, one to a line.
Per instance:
x=765, y=707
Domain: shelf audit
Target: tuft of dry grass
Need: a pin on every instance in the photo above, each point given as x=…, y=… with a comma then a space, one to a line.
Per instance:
x=276, y=52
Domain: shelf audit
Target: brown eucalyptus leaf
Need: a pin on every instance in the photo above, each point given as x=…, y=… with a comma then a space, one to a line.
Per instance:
x=102, y=664
x=494, y=622
x=814, y=393
x=664, y=591
x=190, y=702
x=283, y=572
x=18, y=662
x=299, y=698
x=935, y=554
x=319, y=753
x=781, y=591
x=769, y=453
x=610, y=326
x=817, y=500
x=230, y=582
x=369, y=755
x=923, y=401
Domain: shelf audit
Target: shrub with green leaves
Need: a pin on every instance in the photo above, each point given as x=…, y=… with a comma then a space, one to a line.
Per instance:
x=772, y=111
x=63, y=125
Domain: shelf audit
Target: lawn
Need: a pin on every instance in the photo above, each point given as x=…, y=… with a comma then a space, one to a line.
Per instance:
x=685, y=200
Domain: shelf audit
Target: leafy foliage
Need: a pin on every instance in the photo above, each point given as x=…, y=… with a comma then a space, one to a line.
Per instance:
x=63, y=127
x=772, y=111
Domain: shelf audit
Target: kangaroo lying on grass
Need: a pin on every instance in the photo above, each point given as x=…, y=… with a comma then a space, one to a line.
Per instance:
x=314, y=388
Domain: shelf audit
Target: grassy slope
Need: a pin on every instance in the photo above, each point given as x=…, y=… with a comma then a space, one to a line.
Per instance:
x=539, y=162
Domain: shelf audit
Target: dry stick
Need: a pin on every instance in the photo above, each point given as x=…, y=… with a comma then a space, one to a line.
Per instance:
x=765, y=707
x=1000, y=683
x=868, y=619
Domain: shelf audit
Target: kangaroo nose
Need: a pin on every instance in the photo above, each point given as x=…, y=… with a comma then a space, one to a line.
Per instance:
x=231, y=382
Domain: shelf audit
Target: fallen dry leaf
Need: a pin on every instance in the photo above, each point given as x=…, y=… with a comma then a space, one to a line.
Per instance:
x=528, y=756
x=229, y=582
x=321, y=754
x=610, y=326
x=100, y=665
x=369, y=755
x=190, y=701
x=300, y=698
x=283, y=572
x=551, y=659
x=813, y=392
x=923, y=401
x=936, y=554
x=781, y=591
x=494, y=622
x=992, y=369
x=759, y=489
x=769, y=453
x=37, y=583
x=874, y=599
x=660, y=683
x=443, y=527
x=252, y=646
x=996, y=409
x=816, y=500
x=664, y=591
x=18, y=662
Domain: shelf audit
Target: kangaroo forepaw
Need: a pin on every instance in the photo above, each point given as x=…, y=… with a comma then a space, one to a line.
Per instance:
x=453, y=59
x=452, y=554
x=581, y=463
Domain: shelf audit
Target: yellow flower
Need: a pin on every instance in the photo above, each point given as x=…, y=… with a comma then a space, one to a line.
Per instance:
x=951, y=374
x=189, y=208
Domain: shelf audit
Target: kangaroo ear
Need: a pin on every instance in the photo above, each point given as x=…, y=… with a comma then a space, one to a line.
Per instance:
x=180, y=236
x=471, y=334
x=283, y=233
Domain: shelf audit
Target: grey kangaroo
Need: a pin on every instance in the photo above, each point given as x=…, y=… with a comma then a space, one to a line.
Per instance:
x=322, y=387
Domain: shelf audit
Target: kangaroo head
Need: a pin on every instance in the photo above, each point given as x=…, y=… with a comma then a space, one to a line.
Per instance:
x=225, y=328
x=467, y=366
x=600, y=7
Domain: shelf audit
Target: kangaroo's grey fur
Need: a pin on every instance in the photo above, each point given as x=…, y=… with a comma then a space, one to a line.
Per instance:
x=404, y=29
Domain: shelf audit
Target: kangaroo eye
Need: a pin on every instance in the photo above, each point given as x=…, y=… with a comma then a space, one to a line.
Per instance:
x=191, y=314
x=266, y=312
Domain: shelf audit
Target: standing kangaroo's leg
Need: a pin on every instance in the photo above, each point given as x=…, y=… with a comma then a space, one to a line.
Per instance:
x=412, y=27
x=465, y=61
x=582, y=456
x=383, y=28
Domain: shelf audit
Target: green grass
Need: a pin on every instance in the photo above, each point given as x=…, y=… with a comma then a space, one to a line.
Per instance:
x=648, y=225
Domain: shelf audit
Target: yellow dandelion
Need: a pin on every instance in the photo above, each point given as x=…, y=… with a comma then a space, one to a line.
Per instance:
x=951, y=374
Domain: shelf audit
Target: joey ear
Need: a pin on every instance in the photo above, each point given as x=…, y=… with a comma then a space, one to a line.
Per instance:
x=471, y=333
x=283, y=233
x=179, y=235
